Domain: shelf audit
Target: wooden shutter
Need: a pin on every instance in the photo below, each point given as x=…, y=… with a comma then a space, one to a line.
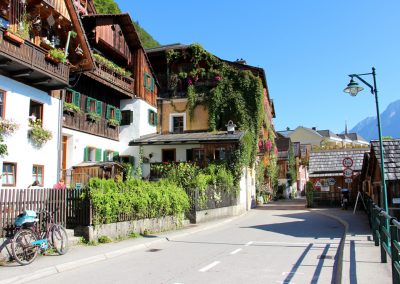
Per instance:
x=155, y=119
x=149, y=116
x=152, y=84
x=99, y=105
x=118, y=114
x=116, y=156
x=98, y=155
x=76, y=98
x=108, y=111
x=86, y=154
x=88, y=100
x=105, y=154
x=145, y=80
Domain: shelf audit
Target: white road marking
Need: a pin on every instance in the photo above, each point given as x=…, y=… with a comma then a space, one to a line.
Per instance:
x=211, y=265
x=236, y=251
x=249, y=243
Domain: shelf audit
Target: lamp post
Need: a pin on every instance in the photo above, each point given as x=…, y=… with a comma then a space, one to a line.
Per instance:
x=353, y=88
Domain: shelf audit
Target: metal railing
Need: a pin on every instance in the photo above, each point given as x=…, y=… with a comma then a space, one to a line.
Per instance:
x=385, y=232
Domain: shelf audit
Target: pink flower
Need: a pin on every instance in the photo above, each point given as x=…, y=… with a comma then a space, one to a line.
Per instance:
x=190, y=82
x=218, y=78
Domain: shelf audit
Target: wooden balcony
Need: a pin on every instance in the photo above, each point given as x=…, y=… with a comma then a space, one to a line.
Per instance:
x=79, y=122
x=113, y=79
x=26, y=62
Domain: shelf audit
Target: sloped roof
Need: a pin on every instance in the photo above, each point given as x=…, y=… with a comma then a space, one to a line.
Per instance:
x=285, y=133
x=391, y=150
x=188, y=138
x=329, y=162
x=344, y=137
x=328, y=134
x=356, y=137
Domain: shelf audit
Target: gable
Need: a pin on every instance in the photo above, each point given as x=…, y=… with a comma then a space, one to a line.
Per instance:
x=305, y=136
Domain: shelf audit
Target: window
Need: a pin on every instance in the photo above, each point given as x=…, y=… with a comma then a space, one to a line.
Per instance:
x=92, y=154
x=2, y=103
x=177, y=122
x=126, y=117
x=127, y=159
x=37, y=174
x=153, y=119
x=93, y=105
x=9, y=174
x=219, y=154
x=148, y=82
x=36, y=110
x=168, y=155
x=198, y=156
x=109, y=155
x=113, y=113
x=73, y=97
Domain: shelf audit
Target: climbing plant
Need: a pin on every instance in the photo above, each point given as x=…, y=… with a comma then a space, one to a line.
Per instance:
x=229, y=93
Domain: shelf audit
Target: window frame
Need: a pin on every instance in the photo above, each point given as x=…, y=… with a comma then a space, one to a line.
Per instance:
x=42, y=175
x=168, y=150
x=154, y=121
x=39, y=114
x=14, y=174
x=171, y=121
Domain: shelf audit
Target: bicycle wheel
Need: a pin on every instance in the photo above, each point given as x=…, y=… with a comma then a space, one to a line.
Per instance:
x=59, y=238
x=22, y=249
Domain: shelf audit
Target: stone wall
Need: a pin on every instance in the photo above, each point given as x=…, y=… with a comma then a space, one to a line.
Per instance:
x=218, y=213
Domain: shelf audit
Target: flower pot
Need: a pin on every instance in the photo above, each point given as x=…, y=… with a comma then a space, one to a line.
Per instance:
x=13, y=38
x=52, y=59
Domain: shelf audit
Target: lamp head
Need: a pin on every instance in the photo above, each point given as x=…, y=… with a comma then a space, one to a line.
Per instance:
x=353, y=88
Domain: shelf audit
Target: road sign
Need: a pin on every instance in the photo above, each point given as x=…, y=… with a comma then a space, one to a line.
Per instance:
x=317, y=184
x=347, y=162
x=348, y=180
x=348, y=173
x=331, y=181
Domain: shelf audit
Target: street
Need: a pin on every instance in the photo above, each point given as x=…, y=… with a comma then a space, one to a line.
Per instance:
x=262, y=246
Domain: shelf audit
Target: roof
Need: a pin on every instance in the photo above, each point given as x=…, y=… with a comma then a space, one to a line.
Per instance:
x=125, y=22
x=329, y=162
x=285, y=133
x=328, y=134
x=188, y=138
x=391, y=150
x=356, y=137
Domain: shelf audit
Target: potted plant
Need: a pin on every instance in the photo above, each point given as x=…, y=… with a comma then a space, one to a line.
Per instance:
x=71, y=108
x=56, y=55
x=38, y=134
x=13, y=37
x=113, y=122
x=19, y=35
x=92, y=116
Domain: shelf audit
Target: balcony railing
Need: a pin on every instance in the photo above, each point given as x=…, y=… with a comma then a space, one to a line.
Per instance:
x=59, y=6
x=105, y=73
x=28, y=56
x=80, y=122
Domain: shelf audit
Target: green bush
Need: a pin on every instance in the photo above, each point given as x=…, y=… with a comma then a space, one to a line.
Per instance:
x=310, y=194
x=135, y=198
x=104, y=240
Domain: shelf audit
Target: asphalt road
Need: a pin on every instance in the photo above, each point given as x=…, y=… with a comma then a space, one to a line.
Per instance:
x=263, y=246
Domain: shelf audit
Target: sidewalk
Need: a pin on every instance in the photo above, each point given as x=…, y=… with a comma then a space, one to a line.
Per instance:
x=361, y=258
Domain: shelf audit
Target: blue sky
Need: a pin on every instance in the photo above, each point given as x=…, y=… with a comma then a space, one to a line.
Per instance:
x=307, y=48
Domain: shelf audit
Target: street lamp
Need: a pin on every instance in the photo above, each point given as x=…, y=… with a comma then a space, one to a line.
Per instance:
x=353, y=88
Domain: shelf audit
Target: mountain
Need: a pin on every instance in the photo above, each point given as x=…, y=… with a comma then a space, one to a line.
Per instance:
x=390, y=122
x=110, y=7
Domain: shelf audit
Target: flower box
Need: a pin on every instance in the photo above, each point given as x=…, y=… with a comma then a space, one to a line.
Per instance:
x=48, y=57
x=13, y=38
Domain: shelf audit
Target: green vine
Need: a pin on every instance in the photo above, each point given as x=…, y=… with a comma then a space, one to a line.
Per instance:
x=231, y=94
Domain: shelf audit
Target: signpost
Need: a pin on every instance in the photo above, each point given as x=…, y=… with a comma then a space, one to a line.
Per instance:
x=317, y=184
x=331, y=181
x=347, y=162
x=348, y=180
x=348, y=173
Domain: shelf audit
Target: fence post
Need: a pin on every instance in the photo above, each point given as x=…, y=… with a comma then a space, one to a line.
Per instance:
x=394, y=236
x=374, y=215
x=383, y=237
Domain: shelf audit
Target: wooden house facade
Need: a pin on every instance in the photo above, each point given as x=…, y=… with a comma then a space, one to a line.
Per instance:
x=114, y=102
x=370, y=178
x=42, y=44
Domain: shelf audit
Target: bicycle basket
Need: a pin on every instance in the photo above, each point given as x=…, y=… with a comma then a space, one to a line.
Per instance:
x=28, y=217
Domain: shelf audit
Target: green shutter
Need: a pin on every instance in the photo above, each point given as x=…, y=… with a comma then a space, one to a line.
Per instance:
x=105, y=154
x=130, y=116
x=99, y=105
x=149, y=115
x=108, y=110
x=152, y=84
x=155, y=119
x=86, y=154
x=98, y=155
x=118, y=114
x=76, y=99
x=145, y=80
x=88, y=100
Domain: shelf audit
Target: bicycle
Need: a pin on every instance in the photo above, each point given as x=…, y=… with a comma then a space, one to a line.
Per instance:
x=29, y=239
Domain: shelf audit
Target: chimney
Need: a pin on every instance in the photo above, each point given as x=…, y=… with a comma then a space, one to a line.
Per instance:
x=241, y=61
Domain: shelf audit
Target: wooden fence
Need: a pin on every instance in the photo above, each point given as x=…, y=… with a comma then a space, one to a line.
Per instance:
x=15, y=201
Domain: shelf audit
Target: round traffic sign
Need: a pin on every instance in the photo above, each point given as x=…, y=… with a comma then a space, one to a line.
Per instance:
x=347, y=162
x=331, y=181
x=348, y=173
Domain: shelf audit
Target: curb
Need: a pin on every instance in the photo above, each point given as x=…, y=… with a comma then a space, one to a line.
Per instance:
x=339, y=259
x=59, y=268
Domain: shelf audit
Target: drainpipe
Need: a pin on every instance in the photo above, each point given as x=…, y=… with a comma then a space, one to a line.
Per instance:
x=59, y=134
